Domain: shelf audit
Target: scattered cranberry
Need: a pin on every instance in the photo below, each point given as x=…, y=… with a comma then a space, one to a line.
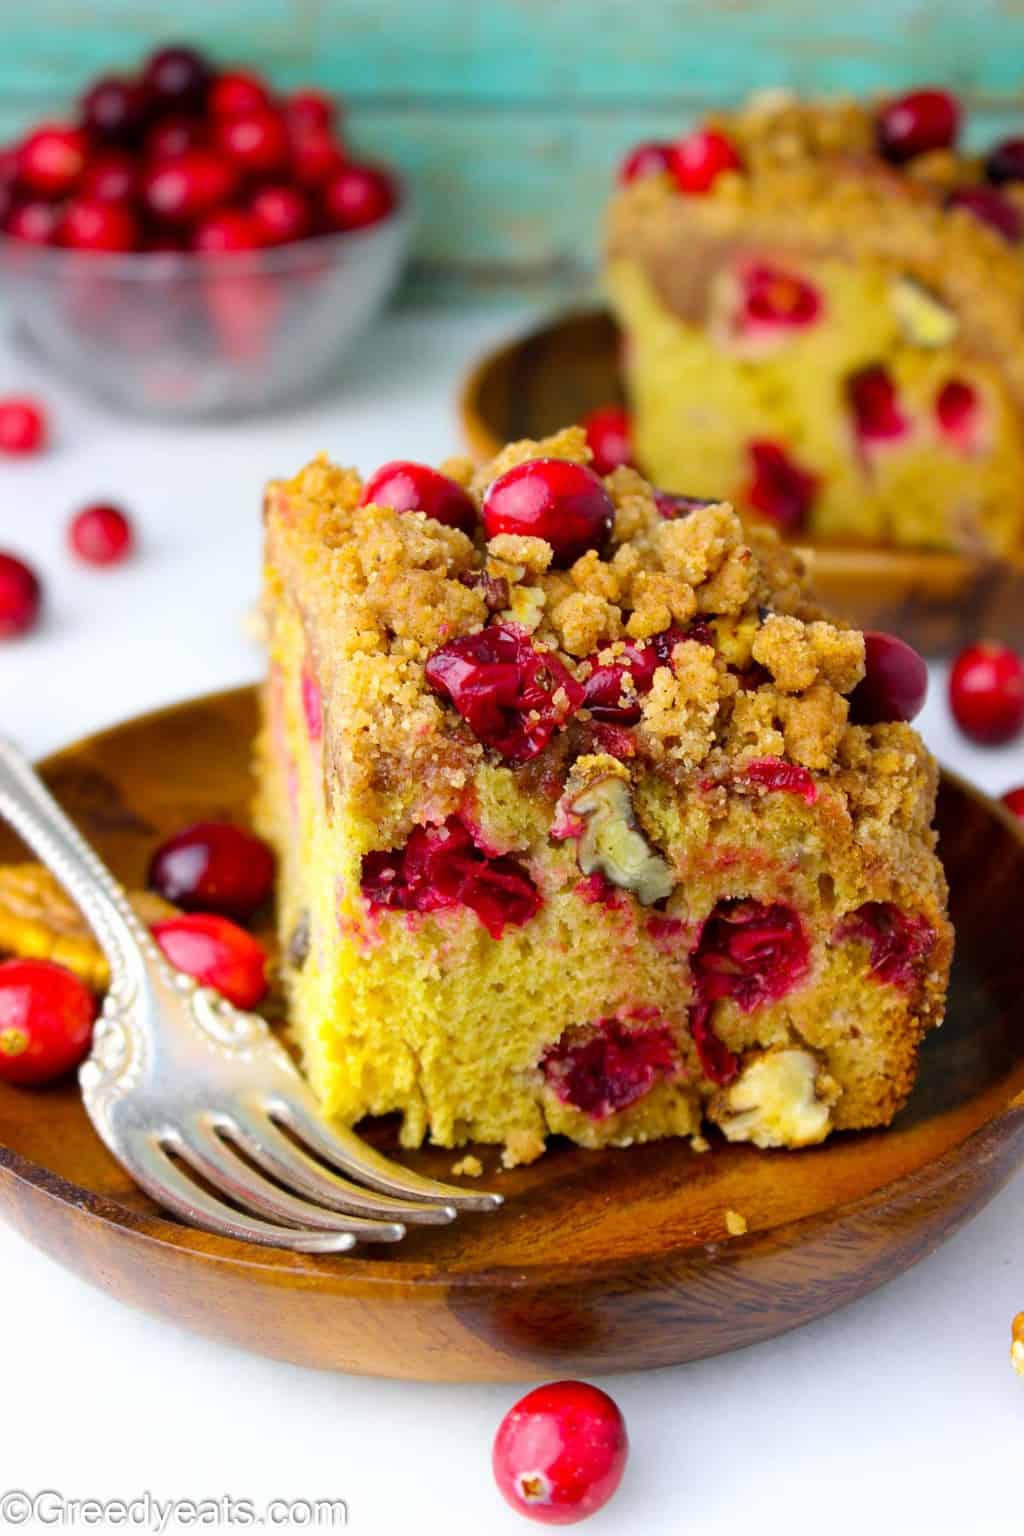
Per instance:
x=645, y=160
x=23, y=428
x=444, y=867
x=20, y=597
x=256, y=142
x=611, y=1069
x=183, y=190
x=407, y=487
x=174, y=136
x=900, y=941
x=217, y=953
x=699, y=159
x=1006, y=162
x=280, y=213
x=772, y=296
x=773, y=773
x=913, y=124
x=512, y=695
x=612, y=690
x=986, y=692
x=51, y=159
x=229, y=229
x=177, y=78
x=958, y=413
x=358, y=196
x=46, y=1019
x=779, y=489
x=101, y=535
x=36, y=222
x=551, y=499
x=309, y=111
x=214, y=866
x=609, y=438
x=875, y=405
x=114, y=110
x=560, y=1452
x=670, y=506
x=1014, y=801
x=112, y=177
x=316, y=159
x=895, y=681
x=991, y=207
x=93, y=225
x=236, y=93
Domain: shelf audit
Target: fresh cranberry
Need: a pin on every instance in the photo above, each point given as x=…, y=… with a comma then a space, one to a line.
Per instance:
x=773, y=773
x=316, y=158
x=309, y=111
x=23, y=428
x=551, y=499
x=20, y=597
x=772, y=296
x=986, y=693
x=174, y=136
x=1006, y=162
x=407, y=487
x=35, y=221
x=609, y=439
x=512, y=695
x=236, y=93
x=443, y=867
x=184, y=189
x=46, y=1019
x=93, y=225
x=670, y=506
x=114, y=110
x=874, y=401
x=991, y=207
x=913, y=124
x=256, y=142
x=1014, y=801
x=612, y=1069
x=900, y=941
x=560, y=1453
x=281, y=213
x=649, y=159
x=747, y=951
x=214, y=866
x=700, y=158
x=217, y=953
x=358, y=196
x=779, y=489
x=895, y=681
x=177, y=78
x=958, y=413
x=101, y=534
x=112, y=177
x=612, y=690
x=51, y=159
x=228, y=229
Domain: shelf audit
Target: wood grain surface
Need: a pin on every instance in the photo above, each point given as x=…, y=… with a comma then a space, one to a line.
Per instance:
x=598, y=1261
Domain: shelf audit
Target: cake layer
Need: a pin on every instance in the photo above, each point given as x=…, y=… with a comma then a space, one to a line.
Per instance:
x=586, y=845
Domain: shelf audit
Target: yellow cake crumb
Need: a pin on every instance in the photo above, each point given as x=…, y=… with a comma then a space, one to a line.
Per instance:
x=735, y=1224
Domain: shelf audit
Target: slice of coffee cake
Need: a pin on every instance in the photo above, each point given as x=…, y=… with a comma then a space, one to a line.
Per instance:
x=588, y=822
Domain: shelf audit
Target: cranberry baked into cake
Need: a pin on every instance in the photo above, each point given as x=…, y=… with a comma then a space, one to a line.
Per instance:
x=588, y=822
x=823, y=306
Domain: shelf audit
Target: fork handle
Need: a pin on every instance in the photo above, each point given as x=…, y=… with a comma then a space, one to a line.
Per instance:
x=30, y=808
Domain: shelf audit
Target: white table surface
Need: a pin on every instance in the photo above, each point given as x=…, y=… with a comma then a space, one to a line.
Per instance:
x=899, y=1413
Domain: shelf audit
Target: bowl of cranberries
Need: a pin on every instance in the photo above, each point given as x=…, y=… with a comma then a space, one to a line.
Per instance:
x=190, y=243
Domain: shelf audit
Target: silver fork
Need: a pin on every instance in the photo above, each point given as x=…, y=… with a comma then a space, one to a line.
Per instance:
x=179, y=1079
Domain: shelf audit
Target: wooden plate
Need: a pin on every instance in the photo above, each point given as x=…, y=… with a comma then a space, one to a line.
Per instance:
x=939, y=602
x=599, y=1260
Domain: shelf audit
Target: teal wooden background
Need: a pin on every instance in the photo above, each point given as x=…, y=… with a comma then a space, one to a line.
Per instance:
x=509, y=116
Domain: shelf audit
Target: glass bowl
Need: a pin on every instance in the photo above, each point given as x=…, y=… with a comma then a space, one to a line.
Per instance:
x=182, y=335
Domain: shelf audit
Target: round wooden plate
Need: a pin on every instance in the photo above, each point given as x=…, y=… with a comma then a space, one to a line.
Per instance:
x=939, y=602
x=598, y=1261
